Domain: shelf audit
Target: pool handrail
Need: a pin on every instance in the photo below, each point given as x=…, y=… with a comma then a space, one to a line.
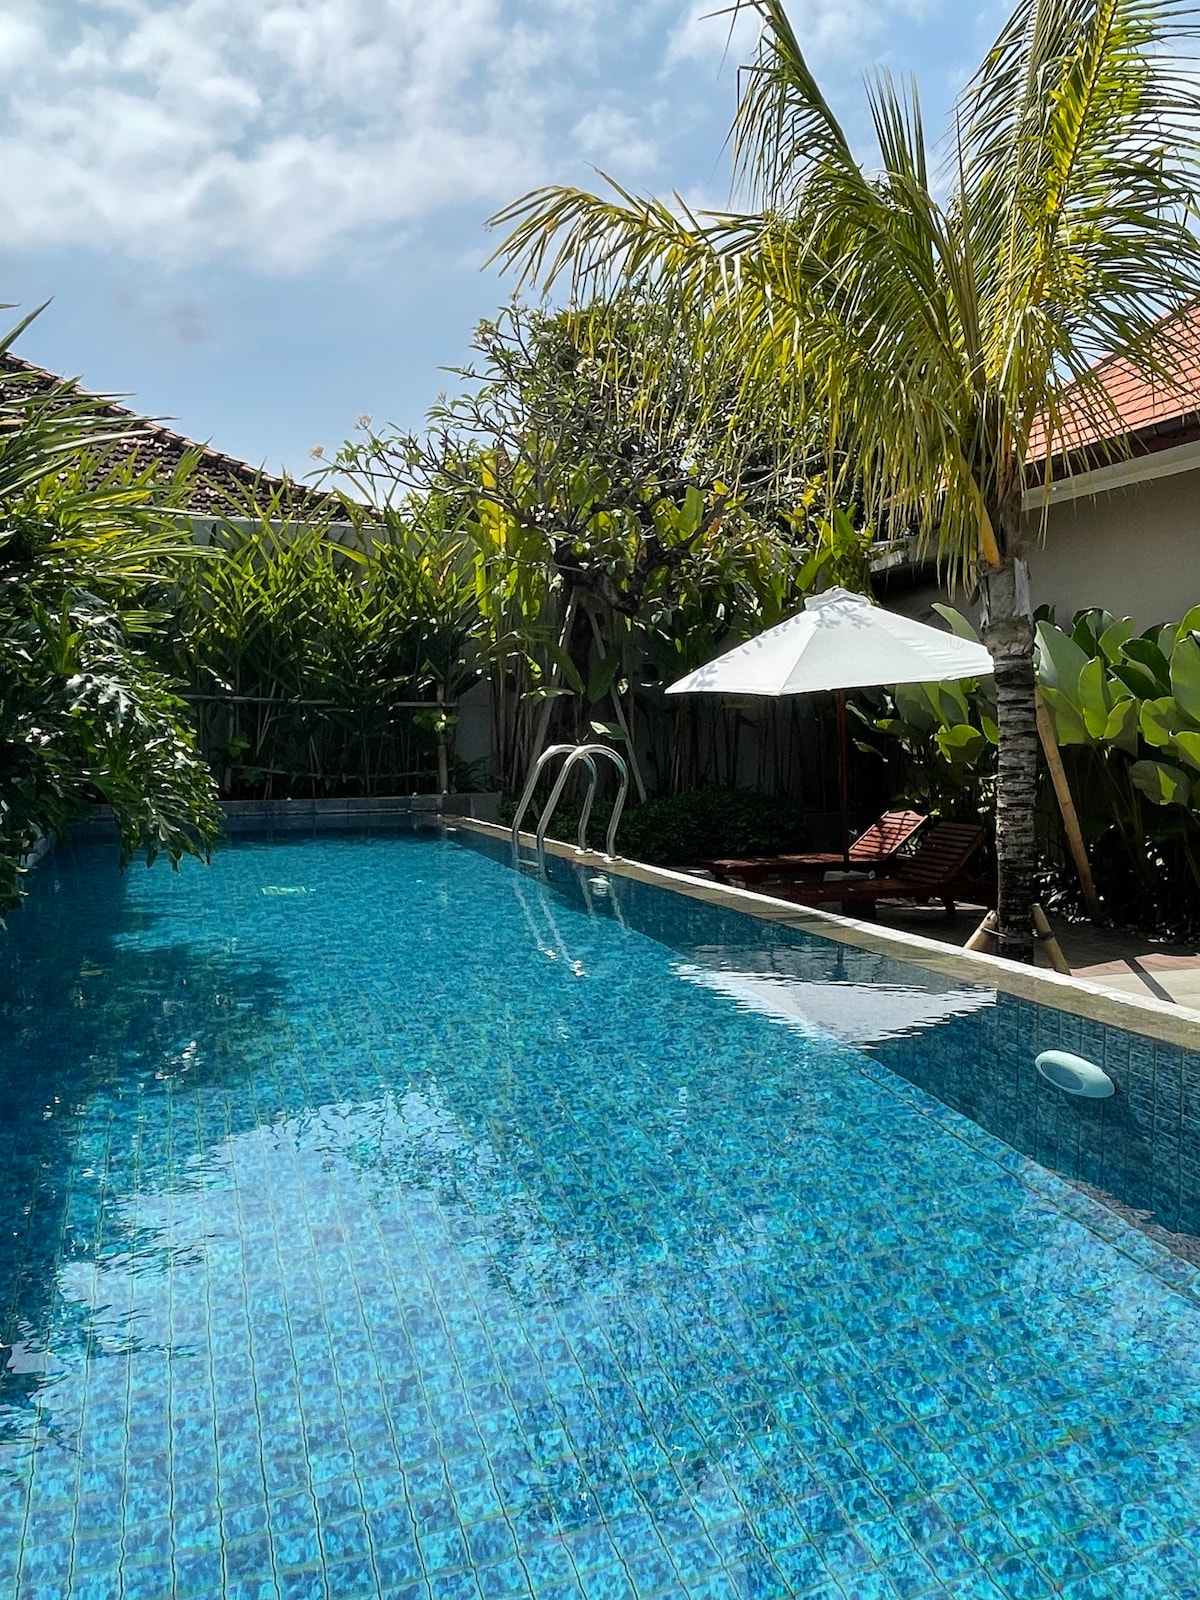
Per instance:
x=573, y=753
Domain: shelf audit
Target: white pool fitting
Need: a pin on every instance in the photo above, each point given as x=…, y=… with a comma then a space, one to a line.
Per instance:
x=1075, y=1075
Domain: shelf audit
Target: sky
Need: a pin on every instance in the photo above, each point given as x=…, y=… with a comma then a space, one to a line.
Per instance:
x=264, y=219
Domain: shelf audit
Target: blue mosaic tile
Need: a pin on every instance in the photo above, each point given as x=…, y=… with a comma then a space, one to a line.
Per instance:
x=425, y=1236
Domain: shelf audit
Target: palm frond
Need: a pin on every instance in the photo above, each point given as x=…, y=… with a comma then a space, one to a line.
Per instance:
x=936, y=321
x=600, y=242
x=784, y=126
x=1079, y=148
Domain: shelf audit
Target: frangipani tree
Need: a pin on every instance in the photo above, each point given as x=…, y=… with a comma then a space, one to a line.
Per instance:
x=585, y=465
x=940, y=311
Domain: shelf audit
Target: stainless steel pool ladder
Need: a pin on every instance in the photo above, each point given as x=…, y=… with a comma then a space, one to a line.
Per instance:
x=573, y=753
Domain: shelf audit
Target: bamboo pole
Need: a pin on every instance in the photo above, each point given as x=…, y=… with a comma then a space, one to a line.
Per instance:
x=1041, y=926
x=843, y=738
x=985, y=930
x=443, y=753
x=1043, y=932
x=1066, y=805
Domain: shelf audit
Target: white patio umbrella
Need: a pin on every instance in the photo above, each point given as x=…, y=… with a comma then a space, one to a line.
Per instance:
x=839, y=641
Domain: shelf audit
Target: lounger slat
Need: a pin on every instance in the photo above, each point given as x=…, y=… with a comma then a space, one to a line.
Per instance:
x=876, y=846
x=932, y=872
x=946, y=851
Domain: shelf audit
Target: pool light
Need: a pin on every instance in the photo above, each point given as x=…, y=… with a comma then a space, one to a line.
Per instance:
x=1075, y=1075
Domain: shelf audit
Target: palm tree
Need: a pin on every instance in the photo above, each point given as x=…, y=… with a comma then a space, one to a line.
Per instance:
x=942, y=311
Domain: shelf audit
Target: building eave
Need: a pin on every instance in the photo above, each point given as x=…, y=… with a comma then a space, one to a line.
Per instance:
x=1161, y=451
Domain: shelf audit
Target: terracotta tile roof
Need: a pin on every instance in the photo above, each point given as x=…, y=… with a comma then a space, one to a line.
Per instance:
x=1148, y=412
x=218, y=476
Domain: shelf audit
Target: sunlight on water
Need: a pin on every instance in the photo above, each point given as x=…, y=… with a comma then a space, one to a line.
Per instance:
x=374, y=1222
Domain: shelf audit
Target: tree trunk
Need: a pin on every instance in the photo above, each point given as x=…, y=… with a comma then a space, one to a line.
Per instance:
x=1008, y=634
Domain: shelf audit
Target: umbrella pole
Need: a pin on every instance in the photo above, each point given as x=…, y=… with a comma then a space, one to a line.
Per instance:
x=843, y=796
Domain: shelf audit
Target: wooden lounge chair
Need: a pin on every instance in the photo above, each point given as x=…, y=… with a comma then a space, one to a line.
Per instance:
x=936, y=870
x=874, y=848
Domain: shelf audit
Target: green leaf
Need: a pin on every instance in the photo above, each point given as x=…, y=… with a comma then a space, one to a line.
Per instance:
x=568, y=668
x=1137, y=680
x=1188, y=746
x=958, y=623
x=1165, y=785
x=601, y=680
x=1165, y=637
x=692, y=511
x=914, y=705
x=1060, y=660
x=961, y=743
x=1114, y=637
x=1069, y=727
x=586, y=485
x=609, y=730
x=1094, y=697
x=949, y=703
x=1122, y=727
x=1159, y=721
x=543, y=691
x=1185, y=675
x=1088, y=628
x=1147, y=655
x=806, y=578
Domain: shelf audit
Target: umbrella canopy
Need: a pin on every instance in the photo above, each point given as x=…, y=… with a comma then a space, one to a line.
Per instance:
x=839, y=641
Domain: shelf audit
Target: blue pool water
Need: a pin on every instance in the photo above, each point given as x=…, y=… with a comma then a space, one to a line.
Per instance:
x=374, y=1223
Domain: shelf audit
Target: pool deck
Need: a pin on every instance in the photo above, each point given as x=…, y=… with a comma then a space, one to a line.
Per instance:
x=1128, y=963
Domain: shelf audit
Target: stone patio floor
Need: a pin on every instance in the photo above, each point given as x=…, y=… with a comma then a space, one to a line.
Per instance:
x=1127, y=962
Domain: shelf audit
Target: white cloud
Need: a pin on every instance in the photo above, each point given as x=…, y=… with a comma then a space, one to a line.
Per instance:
x=19, y=40
x=707, y=34
x=828, y=30
x=612, y=139
x=278, y=131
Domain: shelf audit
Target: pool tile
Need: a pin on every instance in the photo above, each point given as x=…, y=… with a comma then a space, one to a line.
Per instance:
x=414, y=1274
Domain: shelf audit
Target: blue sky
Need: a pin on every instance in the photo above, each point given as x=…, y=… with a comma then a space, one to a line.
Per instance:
x=264, y=218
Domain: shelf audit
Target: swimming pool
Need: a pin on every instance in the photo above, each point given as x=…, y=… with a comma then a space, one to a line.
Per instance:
x=376, y=1222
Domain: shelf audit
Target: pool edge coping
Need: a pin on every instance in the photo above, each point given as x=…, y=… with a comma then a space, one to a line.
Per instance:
x=1169, y=1023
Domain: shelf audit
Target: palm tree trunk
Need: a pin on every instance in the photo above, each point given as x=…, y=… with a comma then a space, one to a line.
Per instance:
x=1008, y=634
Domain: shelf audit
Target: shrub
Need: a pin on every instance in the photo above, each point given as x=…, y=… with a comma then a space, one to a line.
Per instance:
x=87, y=536
x=686, y=829
x=315, y=667
x=1126, y=712
x=1125, y=708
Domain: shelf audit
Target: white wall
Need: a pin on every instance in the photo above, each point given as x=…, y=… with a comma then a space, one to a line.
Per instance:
x=1135, y=551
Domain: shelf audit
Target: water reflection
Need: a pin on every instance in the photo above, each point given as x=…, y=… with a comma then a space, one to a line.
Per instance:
x=849, y=994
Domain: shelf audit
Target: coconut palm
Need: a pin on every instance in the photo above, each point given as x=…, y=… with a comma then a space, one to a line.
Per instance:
x=941, y=310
